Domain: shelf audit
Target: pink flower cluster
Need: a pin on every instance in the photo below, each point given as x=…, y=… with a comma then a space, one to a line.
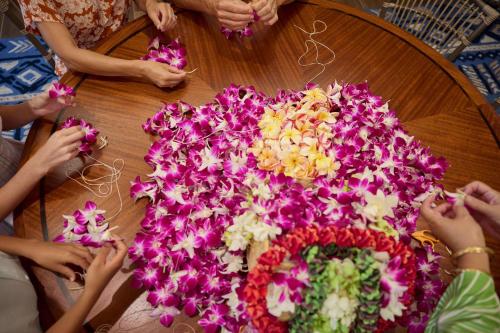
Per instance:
x=90, y=137
x=60, y=90
x=85, y=226
x=173, y=54
x=208, y=198
x=245, y=32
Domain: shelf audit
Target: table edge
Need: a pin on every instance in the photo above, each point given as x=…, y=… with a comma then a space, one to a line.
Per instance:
x=136, y=26
x=486, y=110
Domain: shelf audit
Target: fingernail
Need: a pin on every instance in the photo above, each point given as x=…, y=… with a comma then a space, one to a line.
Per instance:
x=72, y=279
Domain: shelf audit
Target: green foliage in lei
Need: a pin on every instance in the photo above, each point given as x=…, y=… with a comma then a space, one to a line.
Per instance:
x=369, y=298
x=360, y=280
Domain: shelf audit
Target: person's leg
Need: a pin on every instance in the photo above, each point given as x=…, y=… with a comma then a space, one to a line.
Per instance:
x=18, y=300
x=10, y=156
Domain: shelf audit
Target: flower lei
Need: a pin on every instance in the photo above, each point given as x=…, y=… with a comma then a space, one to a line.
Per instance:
x=245, y=32
x=368, y=292
x=210, y=197
x=90, y=137
x=60, y=90
x=173, y=54
x=301, y=238
x=86, y=226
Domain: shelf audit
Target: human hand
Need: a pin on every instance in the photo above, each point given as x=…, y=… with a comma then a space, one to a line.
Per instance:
x=42, y=105
x=62, y=146
x=267, y=10
x=453, y=225
x=102, y=270
x=56, y=256
x=485, y=206
x=233, y=14
x=161, y=74
x=162, y=14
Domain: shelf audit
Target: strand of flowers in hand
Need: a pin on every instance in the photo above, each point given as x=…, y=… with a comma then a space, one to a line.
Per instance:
x=337, y=282
x=402, y=257
x=86, y=226
x=173, y=54
x=245, y=32
x=210, y=198
x=61, y=90
x=90, y=137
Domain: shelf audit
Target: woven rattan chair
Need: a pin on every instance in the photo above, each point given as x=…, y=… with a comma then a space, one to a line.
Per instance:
x=448, y=26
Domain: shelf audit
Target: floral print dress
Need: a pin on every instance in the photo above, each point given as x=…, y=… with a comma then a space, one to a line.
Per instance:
x=88, y=21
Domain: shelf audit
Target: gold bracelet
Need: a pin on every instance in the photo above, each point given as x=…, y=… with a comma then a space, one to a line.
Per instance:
x=472, y=250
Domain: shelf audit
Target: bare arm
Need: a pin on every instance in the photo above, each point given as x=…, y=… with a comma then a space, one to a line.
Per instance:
x=204, y=6
x=99, y=274
x=71, y=321
x=15, y=116
x=86, y=61
x=14, y=192
x=209, y=6
x=61, y=146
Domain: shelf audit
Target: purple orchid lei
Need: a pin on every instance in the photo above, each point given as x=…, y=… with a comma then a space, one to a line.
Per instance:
x=90, y=137
x=245, y=32
x=60, y=90
x=209, y=199
x=173, y=54
x=86, y=226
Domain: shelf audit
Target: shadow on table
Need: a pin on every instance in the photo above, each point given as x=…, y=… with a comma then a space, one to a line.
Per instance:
x=120, y=302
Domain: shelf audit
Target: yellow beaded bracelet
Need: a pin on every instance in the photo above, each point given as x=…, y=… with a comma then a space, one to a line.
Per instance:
x=472, y=250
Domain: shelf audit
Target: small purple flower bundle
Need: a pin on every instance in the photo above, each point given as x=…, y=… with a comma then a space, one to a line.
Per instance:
x=173, y=54
x=86, y=226
x=90, y=137
x=217, y=187
x=245, y=32
x=60, y=90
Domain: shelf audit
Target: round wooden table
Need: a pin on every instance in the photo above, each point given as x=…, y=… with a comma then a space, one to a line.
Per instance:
x=436, y=103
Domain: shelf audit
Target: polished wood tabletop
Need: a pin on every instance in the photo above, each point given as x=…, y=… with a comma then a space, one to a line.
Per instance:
x=435, y=102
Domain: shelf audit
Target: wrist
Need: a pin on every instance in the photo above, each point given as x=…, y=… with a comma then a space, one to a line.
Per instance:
x=478, y=261
x=92, y=292
x=34, y=168
x=89, y=294
x=146, y=4
x=17, y=246
x=28, y=248
x=211, y=7
x=30, y=107
x=138, y=68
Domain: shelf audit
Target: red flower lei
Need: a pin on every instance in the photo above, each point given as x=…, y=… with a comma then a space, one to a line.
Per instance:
x=259, y=278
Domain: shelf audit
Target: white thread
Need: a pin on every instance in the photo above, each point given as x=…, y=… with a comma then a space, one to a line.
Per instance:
x=191, y=72
x=105, y=183
x=185, y=325
x=82, y=277
x=104, y=328
x=315, y=43
x=103, y=142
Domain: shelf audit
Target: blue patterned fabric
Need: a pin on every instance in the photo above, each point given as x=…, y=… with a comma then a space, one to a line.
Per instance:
x=481, y=63
x=23, y=74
